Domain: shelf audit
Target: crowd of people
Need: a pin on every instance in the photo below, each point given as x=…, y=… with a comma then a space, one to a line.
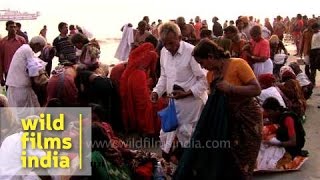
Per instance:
x=241, y=67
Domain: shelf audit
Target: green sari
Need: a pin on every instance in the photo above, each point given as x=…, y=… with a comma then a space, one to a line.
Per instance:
x=102, y=169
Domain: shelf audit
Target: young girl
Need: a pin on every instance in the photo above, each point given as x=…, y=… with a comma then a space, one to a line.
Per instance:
x=291, y=134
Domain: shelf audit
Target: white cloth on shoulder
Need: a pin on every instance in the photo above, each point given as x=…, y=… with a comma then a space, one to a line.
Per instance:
x=34, y=65
x=18, y=75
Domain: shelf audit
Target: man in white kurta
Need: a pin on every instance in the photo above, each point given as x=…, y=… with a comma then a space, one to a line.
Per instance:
x=22, y=68
x=24, y=65
x=178, y=67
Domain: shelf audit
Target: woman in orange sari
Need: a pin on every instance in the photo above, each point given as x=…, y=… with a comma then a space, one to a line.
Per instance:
x=139, y=114
x=236, y=80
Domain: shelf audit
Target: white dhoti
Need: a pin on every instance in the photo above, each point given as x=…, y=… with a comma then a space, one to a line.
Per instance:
x=188, y=112
x=24, y=99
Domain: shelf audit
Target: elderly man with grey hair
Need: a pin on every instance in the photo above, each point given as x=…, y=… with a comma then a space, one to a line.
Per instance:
x=184, y=80
x=24, y=66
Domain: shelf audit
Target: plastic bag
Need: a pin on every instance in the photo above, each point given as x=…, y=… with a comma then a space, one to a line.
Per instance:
x=168, y=116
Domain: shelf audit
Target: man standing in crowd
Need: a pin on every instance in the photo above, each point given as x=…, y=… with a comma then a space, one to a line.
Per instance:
x=20, y=33
x=24, y=66
x=197, y=27
x=315, y=53
x=187, y=31
x=8, y=46
x=279, y=28
x=297, y=32
x=64, y=48
x=306, y=45
x=184, y=80
x=216, y=28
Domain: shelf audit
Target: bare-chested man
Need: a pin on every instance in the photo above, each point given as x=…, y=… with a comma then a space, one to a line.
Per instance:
x=141, y=34
x=187, y=31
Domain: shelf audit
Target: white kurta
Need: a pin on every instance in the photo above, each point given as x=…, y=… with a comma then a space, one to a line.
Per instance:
x=182, y=69
x=17, y=74
x=20, y=92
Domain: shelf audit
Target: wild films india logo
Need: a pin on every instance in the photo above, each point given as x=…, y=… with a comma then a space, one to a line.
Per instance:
x=53, y=141
x=32, y=133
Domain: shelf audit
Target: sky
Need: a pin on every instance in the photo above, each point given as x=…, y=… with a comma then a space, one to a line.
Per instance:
x=105, y=18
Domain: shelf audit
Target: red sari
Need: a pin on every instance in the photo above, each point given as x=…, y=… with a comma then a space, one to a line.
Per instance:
x=116, y=74
x=139, y=113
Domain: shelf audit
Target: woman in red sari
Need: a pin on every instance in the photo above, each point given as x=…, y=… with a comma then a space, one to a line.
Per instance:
x=139, y=113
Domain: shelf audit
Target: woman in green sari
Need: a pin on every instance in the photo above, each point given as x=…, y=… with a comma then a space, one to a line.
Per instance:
x=106, y=164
